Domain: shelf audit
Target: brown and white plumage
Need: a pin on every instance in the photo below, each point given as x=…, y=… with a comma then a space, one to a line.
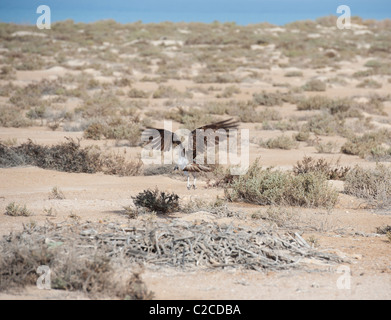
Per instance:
x=166, y=139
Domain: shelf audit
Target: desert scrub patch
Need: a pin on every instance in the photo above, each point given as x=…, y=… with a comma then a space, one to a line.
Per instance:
x=11, y=116
x=101, y=104
x=328, y=147
x=315, y=85
x=322, y=166
x=68, y=157
x=191, y=118
x=117, y=164
x=302, y=135
x=216, y=78
x=157, y=201
x=282, y=216
x=7, y=73
x=246, y=112
x=138, y=94
x=369, y=84
x=16, y=210
x=56, y=194
x=282, y=142
x=373, y=185
x=366, y=144
x=291, y=74
x=32, y=94
x=170, y=93
x=325, y=124
x=274, y=187
x=229, y=92
x=341, y=108
x=114, y=128
x=268, y=99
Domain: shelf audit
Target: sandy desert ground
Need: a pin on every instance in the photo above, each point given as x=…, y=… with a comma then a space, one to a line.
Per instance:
x=58, y=83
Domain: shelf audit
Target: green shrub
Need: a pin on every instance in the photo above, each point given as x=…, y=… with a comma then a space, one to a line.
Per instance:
x=157, y=201
x=268, y=187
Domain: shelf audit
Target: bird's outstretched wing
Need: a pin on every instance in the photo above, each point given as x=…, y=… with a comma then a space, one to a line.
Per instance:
x=160, y=139
x=163, y=140
x=199, y=145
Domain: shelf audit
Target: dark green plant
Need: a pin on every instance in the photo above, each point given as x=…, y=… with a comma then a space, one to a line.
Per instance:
x=157, y=201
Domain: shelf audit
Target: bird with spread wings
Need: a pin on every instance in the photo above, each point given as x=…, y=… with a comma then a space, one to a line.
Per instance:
x=164, y=140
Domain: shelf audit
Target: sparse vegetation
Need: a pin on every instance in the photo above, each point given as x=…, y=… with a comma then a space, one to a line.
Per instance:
x=157, y=201
x=274, y=187
x=73, y=268
x=321, y=166
x=16, y=210
x=282, y=142
x=56, y=193
x=367, y=144
x=69, y=157
x=373, y=185
x=315, y=85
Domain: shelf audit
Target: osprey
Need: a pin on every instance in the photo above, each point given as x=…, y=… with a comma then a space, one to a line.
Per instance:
x=165, y=139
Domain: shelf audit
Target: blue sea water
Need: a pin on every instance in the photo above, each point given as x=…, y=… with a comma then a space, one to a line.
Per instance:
x=242, y=12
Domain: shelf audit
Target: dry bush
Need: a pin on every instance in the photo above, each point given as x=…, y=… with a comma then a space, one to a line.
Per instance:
x=322, y=166
x=268, y=187
x=383, y=230
x=341, y=108
x=325, y=124
x=246, y=112
x=191, y=118
x=293, y=74
x=328, y=147
x=10, y=116
x=366, y=144
x=371, y=84
x=31, y=95
x=16, y=210
x=69, y=157
x=283, y=217
x=170, y=93
x=116, y=164
x=302, y=135
x=229, y=92
x=101, y=104
x=7, y=73
x=115, y=128
x=216, y=78
x=138, y=94
x=268, y=99
x=373, y=185
x=157, y=201
x=56, y=193
x=282, y=142
x=315, y=85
